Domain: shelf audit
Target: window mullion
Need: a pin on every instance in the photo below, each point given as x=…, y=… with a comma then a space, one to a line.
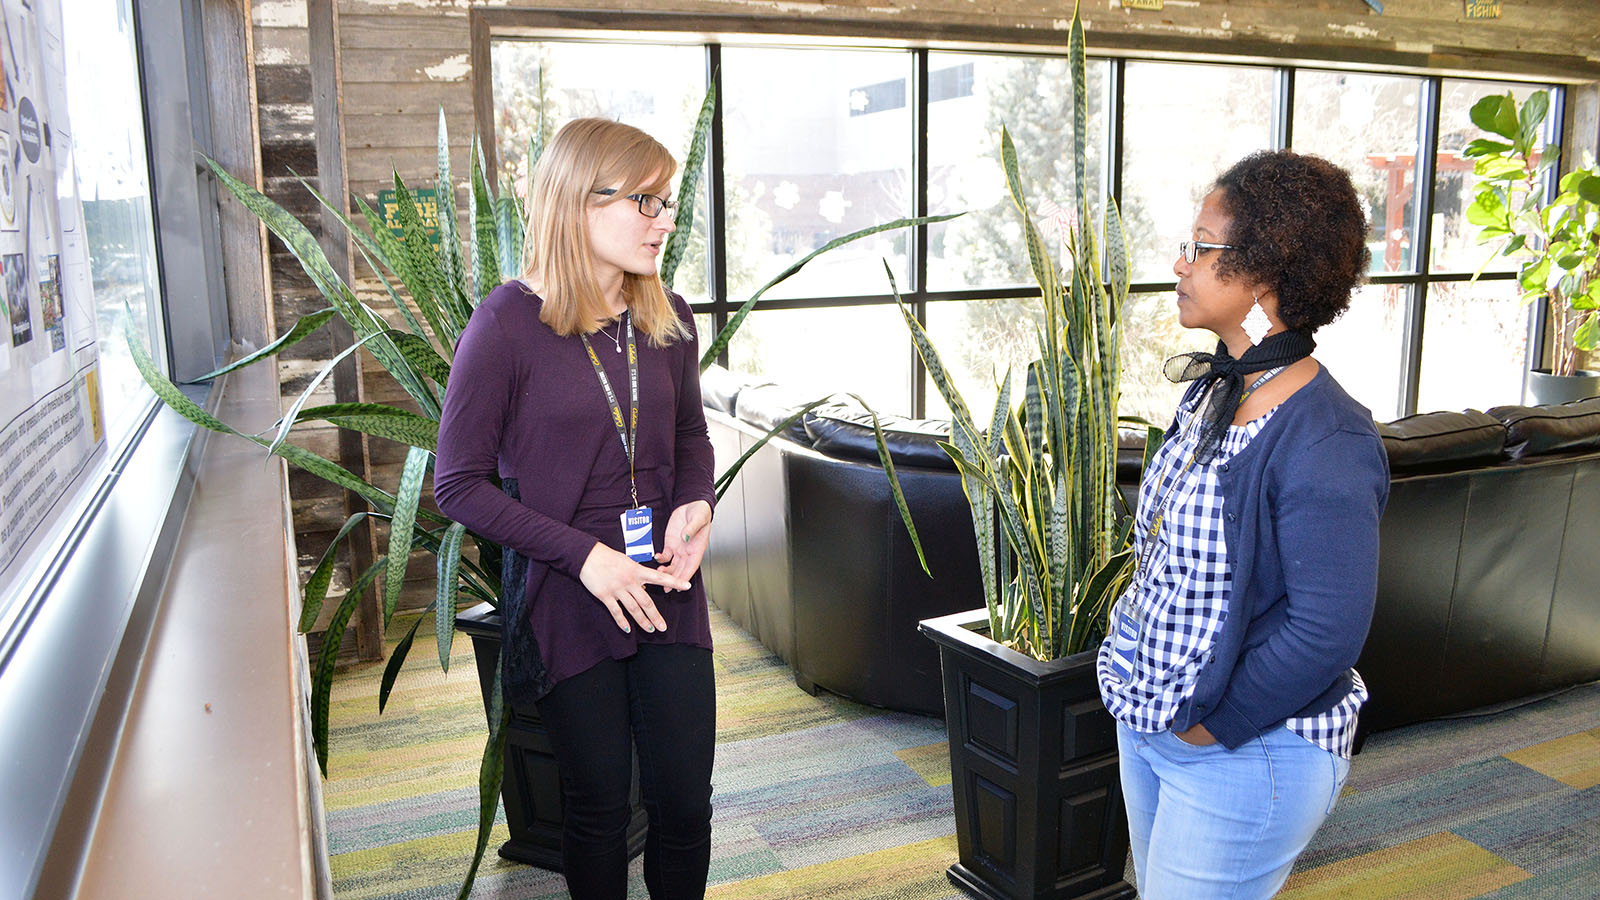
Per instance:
x=919, y=234
x=1283, y=128
x=1421, y=261
x=716, y=213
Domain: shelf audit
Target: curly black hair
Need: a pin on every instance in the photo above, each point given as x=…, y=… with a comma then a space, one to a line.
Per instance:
x=1301, y=231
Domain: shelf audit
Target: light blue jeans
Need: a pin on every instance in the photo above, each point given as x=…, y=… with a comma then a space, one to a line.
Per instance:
x=1209, y=823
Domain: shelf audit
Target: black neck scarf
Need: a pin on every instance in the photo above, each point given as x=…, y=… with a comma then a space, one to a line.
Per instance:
x=1224, y=377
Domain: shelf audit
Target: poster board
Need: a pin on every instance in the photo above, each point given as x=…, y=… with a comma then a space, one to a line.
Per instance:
x=51, y=421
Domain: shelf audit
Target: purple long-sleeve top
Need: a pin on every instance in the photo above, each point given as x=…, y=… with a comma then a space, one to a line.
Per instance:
x=524, y=403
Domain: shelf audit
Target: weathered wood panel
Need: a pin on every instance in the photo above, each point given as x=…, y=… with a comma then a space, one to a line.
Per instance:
x=235, y=144
x=387, y=131
x=283, y=84
x=281, y=47
x=390, y=32
x=426, y=65
x=392, y=99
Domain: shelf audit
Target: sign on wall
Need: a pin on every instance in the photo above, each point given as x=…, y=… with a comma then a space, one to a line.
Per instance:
x=427, y=203
x=51, y=423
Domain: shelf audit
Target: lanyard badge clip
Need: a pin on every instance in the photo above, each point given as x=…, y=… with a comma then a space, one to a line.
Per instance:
x=638, y=523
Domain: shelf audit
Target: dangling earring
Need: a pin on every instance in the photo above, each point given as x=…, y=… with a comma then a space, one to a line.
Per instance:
x=1256, y=324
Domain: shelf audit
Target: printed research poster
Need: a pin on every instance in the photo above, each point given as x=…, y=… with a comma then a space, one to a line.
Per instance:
x=50, y=416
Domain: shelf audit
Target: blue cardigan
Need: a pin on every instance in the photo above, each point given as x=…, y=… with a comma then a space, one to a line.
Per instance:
x=1301, y=503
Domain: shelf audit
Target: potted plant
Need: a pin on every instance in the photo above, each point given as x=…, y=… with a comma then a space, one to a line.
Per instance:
x=1557, y=239
x=1033, y=757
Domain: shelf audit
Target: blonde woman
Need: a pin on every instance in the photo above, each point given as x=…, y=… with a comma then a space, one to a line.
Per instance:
x=573, y=436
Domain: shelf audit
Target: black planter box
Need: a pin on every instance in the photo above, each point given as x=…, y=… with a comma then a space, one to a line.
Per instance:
x=532, y=786
x=1033, y=766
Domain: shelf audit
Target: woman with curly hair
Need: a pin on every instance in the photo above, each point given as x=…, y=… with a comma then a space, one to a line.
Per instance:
x=1229, y=662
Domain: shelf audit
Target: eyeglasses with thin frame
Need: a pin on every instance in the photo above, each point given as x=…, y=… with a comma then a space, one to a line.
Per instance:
x=1190, y=250
x=649, y=204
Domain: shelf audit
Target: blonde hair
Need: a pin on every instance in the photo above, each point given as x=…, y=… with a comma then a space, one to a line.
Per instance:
x=584, y=156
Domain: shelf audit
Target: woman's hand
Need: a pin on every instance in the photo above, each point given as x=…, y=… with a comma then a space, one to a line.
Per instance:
x=1197, y=735
x=686, y=540
x=618, y=582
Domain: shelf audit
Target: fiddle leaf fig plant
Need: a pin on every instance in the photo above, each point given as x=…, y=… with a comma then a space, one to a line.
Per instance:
x=1557, y=239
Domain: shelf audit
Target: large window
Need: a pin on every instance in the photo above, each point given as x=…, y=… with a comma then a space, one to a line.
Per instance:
x=113, y=185
x=817, y=141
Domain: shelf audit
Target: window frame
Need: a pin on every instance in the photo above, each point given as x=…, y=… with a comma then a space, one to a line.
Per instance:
x=717, y=31
x=78, y=612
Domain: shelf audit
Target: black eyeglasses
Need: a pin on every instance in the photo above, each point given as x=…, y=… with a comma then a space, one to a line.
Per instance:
x=649, y=204
x=1190, y=250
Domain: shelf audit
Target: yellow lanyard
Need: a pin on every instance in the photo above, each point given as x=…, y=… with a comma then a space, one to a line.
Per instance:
x=628, y=432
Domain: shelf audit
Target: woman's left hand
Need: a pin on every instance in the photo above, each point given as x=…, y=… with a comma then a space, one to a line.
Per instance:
x=686, y=540
x=1197, y=735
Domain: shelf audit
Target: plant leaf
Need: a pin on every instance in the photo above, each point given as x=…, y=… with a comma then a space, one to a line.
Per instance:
x=726, y=334
x=287, y=422
x=960, y=415
x=1486, y=209
x=688, y=187
x=370, y=250
x=1485, y=147
x=399, y=262
x=1589, y=188
x=316, y=589
x=444, y=604
x=379, y=420
x=1587, y=337
x=894, y=483
x=1496, y=113
x=421, y=269
x=397, y=659
x=420, y=354
x=405, y=518
x=303, y=328
x=454, y=282
x=1533, y=112
x=508, y=227
x=322, y=678
x=485, y=231
x=490, y=773
x=725, y=480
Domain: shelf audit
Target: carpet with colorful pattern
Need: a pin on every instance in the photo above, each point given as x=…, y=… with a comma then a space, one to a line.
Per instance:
x=818, y=797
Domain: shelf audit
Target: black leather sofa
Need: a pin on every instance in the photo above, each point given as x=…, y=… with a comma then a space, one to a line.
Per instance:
x=1489, y=580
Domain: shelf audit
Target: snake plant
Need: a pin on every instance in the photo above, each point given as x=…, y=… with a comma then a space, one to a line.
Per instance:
x=1051, y=529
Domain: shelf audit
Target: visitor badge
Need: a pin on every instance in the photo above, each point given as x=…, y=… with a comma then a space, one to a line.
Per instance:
x=638, y=534
x=1124, y=644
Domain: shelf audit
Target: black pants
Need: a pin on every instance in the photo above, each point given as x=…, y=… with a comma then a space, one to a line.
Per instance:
x=663, y=701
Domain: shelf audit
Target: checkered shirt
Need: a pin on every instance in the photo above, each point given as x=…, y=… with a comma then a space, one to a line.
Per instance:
x=1180, y=597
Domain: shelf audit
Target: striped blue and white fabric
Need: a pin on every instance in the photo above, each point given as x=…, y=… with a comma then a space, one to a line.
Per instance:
x=1179, y=596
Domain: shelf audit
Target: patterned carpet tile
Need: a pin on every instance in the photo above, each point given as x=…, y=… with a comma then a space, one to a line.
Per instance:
x=931, y=761
x=1555, y=833
x=897, y=873
x=1573, y=760
x=393, y=869
x=424, y=815
x=1441, y=801
x=1436, y=867
x=1405, y=753
x=1577, y=880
